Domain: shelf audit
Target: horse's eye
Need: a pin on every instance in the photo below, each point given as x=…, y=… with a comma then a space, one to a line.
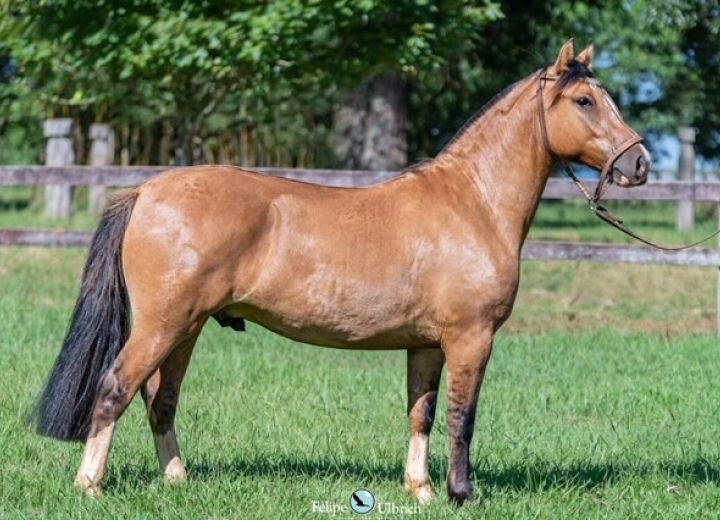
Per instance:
x=584, y=101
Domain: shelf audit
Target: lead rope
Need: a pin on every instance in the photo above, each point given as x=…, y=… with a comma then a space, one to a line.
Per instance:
x=600, y=211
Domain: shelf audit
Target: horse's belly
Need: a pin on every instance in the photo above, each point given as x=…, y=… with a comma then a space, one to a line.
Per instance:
x=349, y=333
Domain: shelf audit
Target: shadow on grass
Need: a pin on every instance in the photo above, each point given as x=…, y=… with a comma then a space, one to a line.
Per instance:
x=527, y=477
x=281, y=466
x=127, y=477
x=544, y=476
x=14, y=204
x=130, y=477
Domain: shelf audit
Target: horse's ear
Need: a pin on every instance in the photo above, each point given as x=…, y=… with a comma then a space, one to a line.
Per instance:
x=586, y=57
x=565, y=58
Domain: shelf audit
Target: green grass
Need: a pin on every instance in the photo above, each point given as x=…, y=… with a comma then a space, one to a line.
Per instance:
x=600, y=402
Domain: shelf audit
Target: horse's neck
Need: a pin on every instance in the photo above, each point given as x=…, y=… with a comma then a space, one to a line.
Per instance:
x=501, y=160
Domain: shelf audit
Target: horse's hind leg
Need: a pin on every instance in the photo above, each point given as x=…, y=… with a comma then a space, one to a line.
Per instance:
x=161, y=393
x=142, y=355
x=423, y=379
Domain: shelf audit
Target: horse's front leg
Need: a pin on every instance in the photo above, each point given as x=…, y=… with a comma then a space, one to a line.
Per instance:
x=424, y=368
x=467, y=353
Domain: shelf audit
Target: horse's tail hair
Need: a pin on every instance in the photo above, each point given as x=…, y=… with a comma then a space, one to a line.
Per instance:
x=99, y=328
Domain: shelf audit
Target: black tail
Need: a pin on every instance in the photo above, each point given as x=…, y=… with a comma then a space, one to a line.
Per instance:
x=99, y=328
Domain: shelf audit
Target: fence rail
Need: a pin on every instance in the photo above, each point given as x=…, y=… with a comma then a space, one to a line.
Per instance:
x=44, y=238
x=124, y=176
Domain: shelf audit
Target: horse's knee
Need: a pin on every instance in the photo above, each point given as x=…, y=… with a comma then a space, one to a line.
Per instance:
x=422, y=413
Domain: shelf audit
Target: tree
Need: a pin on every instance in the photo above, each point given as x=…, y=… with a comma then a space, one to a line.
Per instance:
x=701, y=48
x=179, y=61
x=409, y=38
x=256, y=82
x=658, y=59
x=171, y=61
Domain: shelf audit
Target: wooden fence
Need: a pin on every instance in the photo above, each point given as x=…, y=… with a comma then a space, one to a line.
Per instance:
x=534, y=250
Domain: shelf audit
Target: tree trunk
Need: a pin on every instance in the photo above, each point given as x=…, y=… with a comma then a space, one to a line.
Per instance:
x=371, y=126
x=182, y=144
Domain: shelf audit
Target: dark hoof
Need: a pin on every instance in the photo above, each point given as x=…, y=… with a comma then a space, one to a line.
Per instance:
x=460, y=493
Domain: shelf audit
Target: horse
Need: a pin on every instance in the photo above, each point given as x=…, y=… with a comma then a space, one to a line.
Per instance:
x=427, y=262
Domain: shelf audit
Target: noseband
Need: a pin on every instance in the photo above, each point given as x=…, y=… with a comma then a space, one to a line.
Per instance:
x=605, y=176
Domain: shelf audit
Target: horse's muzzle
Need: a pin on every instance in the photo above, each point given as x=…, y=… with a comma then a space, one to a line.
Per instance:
x=632, y=167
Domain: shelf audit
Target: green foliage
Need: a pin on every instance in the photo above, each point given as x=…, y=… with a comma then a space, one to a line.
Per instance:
x=210, y=70
x=701, y=41
x=647, y=58
x=146, y=62
x=658, y=59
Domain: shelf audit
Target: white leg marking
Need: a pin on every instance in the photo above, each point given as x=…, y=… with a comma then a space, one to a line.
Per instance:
x=417, y=475
x=94, y=461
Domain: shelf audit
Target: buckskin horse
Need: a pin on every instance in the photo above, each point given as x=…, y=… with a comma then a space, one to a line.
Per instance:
x=427, y=262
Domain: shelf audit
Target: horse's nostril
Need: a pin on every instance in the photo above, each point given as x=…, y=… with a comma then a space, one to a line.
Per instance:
x=641, y=165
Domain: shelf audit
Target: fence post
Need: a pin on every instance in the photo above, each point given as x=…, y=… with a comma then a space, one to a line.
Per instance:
x=102, y=153
x=59, y=152
x=686, y=169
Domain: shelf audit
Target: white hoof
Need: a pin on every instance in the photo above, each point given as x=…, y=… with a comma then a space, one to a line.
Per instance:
x=87, y=486
x=175, y=472
x=423, y=493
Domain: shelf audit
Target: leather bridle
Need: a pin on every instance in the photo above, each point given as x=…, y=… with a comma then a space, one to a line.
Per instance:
x=605, y=175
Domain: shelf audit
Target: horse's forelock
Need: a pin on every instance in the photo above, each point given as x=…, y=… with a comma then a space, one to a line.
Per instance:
x=575, y=73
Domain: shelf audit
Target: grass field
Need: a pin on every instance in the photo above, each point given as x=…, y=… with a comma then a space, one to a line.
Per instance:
x=600, y=402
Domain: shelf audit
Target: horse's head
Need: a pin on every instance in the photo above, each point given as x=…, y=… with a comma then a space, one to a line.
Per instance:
x=582, y=123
